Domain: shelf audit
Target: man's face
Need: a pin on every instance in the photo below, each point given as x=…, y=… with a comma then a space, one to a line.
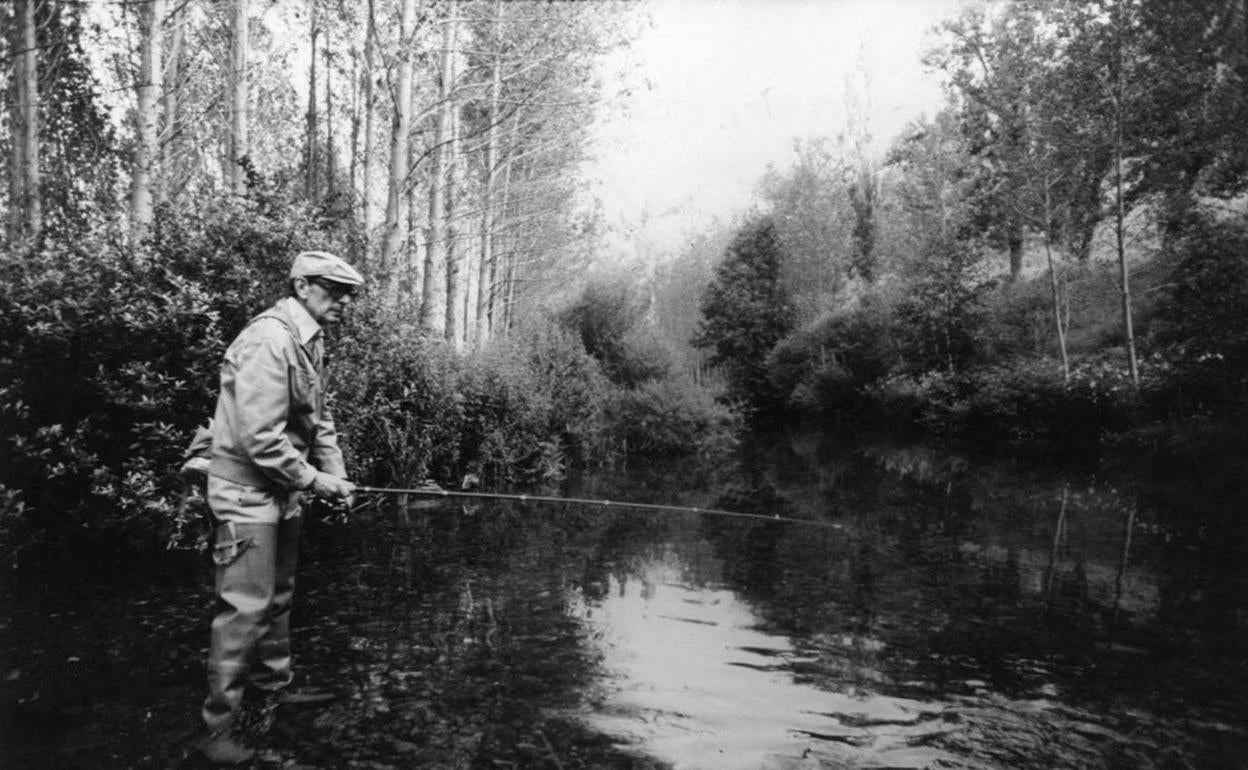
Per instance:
x=324, y=300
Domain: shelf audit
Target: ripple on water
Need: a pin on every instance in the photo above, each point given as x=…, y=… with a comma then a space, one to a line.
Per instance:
x=691, y=678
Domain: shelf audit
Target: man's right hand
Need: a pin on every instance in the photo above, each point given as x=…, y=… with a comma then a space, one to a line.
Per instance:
x=331, y=487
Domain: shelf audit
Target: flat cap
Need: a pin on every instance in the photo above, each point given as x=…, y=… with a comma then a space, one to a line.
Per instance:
x=326, y=265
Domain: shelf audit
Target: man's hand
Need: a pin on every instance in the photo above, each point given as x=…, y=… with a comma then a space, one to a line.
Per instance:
x=332, y=488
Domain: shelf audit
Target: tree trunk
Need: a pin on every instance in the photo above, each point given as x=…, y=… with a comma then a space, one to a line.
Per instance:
x=433, y=305
x=311, y=186
x=369, y=108
x=1120, y=208
x=456, y=286
x=395, y=243
x=1014, y=244
x=170, y=94
x=25, y=204
x=1054, y=288
x=489, y=178
x=147, y=119
x=239, y=140
x=329, y=124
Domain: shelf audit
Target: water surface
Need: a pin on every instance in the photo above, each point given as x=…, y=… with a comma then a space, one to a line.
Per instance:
x=960, y=614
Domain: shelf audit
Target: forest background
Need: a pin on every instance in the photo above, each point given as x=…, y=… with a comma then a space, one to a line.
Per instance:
x=1056, y=259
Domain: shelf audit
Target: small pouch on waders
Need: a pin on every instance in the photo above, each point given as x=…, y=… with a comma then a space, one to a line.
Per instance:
x=226, y=552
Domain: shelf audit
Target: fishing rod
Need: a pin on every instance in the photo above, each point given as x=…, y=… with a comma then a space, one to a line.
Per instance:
x=448, y=493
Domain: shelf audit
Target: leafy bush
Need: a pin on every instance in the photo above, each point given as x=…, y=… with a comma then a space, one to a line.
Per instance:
x=411, y=409
x=108, y=357
x=607, y=317
x=672, y=417
x=823, y=366
x=1203, y=325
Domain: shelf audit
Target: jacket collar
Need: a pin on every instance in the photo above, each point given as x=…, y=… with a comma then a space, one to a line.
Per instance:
x=307, y=326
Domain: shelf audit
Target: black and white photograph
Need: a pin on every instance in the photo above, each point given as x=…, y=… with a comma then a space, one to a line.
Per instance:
x=624, y=384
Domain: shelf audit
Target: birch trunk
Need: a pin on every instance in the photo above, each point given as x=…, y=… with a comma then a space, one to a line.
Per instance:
x=147, y=119
x=370, y=35
x=1120, y=213
x=25, y=206
x=239, y=139
x=433, y=304
x=1054, y=287
x=400, y=148
x=329, y=124
x=456, y=296
x=311, y=186
x=485, y=264
x=170, y=95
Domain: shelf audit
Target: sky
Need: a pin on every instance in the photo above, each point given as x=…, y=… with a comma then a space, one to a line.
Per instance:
x=720, y=89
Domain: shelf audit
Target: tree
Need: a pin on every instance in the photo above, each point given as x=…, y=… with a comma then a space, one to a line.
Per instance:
x=147, y=116
x=814, y=219
x=25, y=200
x=434, y=294
x=394, y=243
x=987, y=61
x=746, y=311
x=238, y=98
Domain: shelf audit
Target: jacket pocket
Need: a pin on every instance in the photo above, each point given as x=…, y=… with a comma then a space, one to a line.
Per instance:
x=303, y=391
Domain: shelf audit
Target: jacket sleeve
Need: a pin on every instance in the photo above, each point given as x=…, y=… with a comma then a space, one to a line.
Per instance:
x=325, y=452
x=262, y=393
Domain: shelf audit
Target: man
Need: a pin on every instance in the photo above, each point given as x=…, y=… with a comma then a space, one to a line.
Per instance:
x=273, y=441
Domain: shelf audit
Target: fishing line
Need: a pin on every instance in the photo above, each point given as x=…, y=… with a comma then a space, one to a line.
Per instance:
x=427, y=492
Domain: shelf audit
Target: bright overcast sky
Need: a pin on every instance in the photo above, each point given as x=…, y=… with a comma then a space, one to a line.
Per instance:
x=724, y=87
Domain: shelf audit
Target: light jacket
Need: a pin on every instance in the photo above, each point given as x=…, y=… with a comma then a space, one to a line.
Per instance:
x=272, y=426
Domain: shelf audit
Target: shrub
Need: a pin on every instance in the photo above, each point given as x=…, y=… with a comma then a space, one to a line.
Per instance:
x=823, y=366
x=672, y=417
x=108, y=358
x=411, y=409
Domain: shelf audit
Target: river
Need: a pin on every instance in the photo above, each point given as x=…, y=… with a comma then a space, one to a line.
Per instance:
x=949, y=613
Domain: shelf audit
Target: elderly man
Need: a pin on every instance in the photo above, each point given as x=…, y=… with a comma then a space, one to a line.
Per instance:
x=273, y=440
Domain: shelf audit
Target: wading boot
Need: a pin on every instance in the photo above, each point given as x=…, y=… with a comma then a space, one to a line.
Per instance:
x=222, y=749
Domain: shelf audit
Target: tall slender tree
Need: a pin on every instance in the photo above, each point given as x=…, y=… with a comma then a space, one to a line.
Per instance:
x=25, y=200
x=433, y=301
x=239, y=143
x=394, y=245
x=147, y=117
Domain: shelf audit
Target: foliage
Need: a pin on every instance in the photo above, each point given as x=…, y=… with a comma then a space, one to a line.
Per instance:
x=745, y=312
x=821, y=366
x=1202, y=320
x=672, y=417
x=811, y=210
x=108, y=358
x=941, y=315
x=414, y=410
x=608, y=318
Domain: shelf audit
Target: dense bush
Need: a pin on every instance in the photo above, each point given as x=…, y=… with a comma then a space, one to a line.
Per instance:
x=109, y=358
x=822, y=366
x=671, y=417
x=608, y=319
x=413, y=410
x=1203, y=324
x=106, y=358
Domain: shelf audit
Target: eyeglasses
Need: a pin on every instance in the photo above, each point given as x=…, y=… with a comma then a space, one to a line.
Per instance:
x=336, y=290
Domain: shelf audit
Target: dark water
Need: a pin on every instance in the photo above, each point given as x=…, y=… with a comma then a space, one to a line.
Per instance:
x=961, y=615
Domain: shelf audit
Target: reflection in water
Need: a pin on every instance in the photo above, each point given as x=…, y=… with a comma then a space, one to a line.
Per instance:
x=691, y=677
x=965, y=615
